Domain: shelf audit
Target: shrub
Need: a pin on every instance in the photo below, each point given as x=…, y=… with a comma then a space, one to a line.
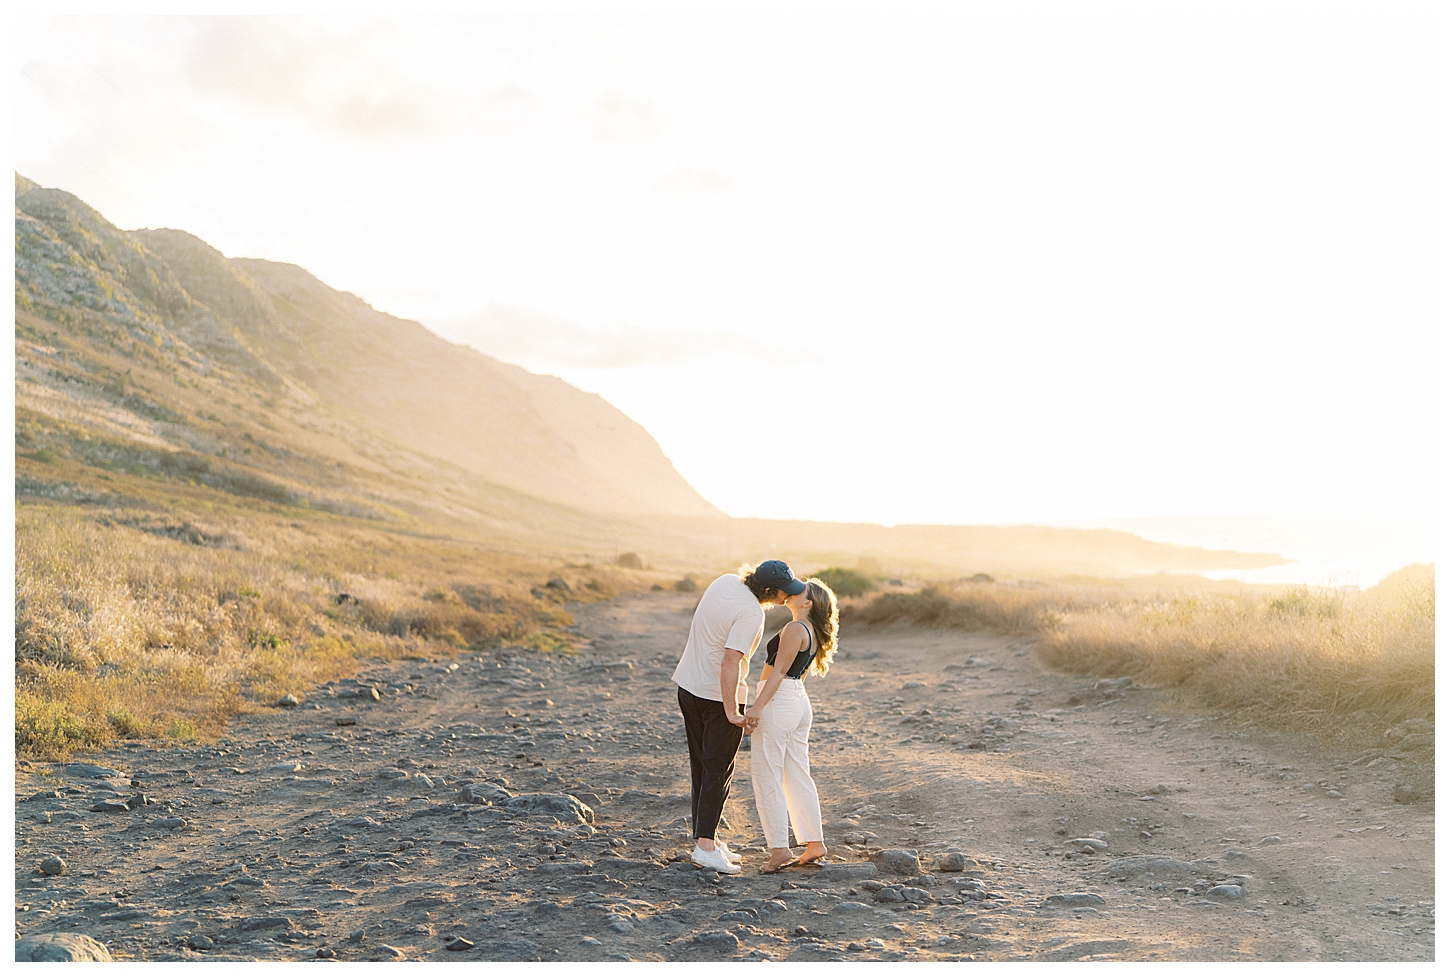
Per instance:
x=846, y=583
x=687, y=585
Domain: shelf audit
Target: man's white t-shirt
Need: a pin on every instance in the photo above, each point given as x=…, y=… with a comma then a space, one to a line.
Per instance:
x=728, y=616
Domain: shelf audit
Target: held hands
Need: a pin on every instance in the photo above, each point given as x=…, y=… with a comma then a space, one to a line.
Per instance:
x=749, y=721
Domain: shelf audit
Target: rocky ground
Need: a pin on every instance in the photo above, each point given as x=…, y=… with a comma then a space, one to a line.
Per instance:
x=516, y=805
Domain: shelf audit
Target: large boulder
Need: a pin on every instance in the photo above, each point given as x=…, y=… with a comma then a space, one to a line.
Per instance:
x=59, y=948
x=561, y=806
x=901, y=861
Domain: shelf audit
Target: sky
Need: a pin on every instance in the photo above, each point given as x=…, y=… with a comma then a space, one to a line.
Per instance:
x=899, y=270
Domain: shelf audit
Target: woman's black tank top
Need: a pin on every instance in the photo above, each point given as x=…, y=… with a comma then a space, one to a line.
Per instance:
x=803, y=658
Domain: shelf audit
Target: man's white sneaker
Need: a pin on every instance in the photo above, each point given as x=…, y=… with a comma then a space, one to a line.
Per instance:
x=721, y=846
x=714, y=860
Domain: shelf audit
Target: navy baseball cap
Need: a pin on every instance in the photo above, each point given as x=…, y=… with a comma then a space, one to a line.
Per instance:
x=777, y=574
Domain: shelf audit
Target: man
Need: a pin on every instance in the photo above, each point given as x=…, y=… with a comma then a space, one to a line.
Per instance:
x=726, y=629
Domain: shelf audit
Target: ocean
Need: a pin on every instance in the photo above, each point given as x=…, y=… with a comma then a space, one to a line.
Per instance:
x=1323, y=551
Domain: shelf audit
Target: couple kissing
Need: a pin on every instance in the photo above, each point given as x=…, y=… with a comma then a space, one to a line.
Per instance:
x=725, y=632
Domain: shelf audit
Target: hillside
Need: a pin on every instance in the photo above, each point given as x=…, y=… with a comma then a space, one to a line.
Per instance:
x=148, y=362
x=269, y=338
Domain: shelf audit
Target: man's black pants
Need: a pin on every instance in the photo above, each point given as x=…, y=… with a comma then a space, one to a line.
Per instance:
x=714, y=741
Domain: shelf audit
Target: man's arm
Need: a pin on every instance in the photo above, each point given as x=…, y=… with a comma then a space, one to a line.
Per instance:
x=729, y=683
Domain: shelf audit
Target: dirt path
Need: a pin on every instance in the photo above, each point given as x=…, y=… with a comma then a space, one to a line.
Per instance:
x=299, y=836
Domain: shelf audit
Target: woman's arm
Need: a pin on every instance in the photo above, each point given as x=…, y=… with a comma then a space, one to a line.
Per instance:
x=791, y=642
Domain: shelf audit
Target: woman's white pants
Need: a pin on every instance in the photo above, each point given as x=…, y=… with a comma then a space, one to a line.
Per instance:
x=780, y=767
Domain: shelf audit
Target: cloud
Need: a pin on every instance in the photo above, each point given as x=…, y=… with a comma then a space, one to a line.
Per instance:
x=339, y=82
x=539, y=340
x=688, y=181
x=629, y=121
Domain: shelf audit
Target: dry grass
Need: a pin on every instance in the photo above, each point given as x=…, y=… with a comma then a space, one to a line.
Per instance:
x=1294, y=657
x=140, y=626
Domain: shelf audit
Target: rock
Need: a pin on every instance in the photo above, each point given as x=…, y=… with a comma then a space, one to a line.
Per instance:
x=458, y=944
x=60, y=947
x=1405, y=794
x=1417, y=741
x=1112, y=684
x=917, y=895
x=289, y=701
x=266, y=923
x=110, y=805
x=168, y=824
x=89, y=771
x=45, y=795
x=482, y=794
x=845, y=871
x=718, y=939
x=288, y=767
x=901, y=861
x=52, y=865
x=1090, y=846
x=562, y=806
x=326, y=953
x=589, y=941
x=1271, y=840
x=619, y=923
x=385, y=952
x=1073, y=900
x=800, y=931
x=345, y=721
x=844, y=908
x=889, y=894
x=1227, y=893
x=199, y=942
x=952, y=862
x=913, y=685
x=393, y=773
x=687, y=585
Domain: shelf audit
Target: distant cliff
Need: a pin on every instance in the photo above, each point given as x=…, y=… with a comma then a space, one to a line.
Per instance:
x=331, y=374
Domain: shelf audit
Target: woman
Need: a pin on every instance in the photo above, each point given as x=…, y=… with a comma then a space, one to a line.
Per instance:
x=780, y=765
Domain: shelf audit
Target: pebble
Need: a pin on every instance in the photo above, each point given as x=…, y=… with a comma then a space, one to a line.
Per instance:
x=1226, y=892
x=288, y=701
x=199, y=942
x=590, y=941
x=1073, y=900
x=393, y=773
x=169, y=824
x=482, y=794
x=1271, y=840
x=326, y=953
x=52, y=865
x=901, y=861
x=718, y=938
x=852, y=907
x=1405, y=794
x=1089, y=846
x=458, y=944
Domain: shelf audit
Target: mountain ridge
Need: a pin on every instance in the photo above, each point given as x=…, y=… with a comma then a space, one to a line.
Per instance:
x=294, y=337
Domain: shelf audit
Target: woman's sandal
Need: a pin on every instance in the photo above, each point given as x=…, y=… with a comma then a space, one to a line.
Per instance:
x=800, y=861
x=767, y=870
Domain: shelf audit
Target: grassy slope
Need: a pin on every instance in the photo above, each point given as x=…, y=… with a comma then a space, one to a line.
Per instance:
x=1293, y=657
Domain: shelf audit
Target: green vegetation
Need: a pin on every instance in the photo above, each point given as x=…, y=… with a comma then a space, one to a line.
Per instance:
x=846, y=583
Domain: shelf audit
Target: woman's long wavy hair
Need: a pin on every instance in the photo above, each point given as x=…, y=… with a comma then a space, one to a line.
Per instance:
x=825, y=620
